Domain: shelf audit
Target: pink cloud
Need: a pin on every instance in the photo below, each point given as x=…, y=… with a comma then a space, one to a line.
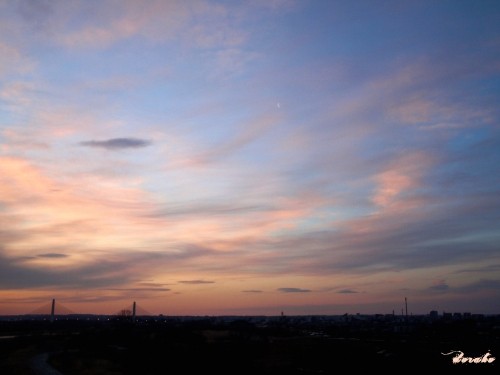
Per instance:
x=12, y=60
x=18, y=94
x=156, y=21
x=85, y=205
x=401, y=176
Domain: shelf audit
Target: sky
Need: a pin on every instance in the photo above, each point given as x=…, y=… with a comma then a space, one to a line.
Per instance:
x=250, y=157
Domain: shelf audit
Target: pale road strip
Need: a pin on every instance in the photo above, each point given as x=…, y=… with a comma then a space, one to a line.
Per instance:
x=40, y=366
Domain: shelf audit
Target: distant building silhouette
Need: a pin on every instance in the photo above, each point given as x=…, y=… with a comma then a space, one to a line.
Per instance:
x=457, y=316
x=447, y=315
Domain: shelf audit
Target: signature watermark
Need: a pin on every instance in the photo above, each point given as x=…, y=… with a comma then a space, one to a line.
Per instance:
x=459, y=357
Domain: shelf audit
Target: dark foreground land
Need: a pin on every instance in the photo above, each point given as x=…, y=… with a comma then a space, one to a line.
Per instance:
x=250, y=345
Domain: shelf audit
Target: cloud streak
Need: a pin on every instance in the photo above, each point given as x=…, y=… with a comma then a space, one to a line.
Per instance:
x=347, y=291
x=439, y=286
x=117, y=143
x=196, y=282
x=52, y=255
x=293, y=290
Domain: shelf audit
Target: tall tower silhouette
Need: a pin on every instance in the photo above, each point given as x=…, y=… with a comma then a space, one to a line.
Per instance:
x=133, y=311
x=53, y=310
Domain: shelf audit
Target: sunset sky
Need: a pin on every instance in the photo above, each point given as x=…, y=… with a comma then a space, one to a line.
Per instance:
x=250, y=157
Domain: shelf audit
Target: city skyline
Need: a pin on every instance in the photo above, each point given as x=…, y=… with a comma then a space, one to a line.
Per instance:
x=55, y=310
x=247, y=158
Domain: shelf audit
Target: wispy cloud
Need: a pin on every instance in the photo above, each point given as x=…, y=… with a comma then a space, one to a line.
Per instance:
x=480, y=286
x=52, y=255
x=196, y=282
x=481, y=269
x=252, y=291
x=346, y=291
x=439, y=286
x=247, y=133
x=12, y=60
x=117, y=143
x=151, y=285
x=293, y=290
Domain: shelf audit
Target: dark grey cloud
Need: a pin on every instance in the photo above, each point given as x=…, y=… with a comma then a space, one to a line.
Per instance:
x=196, y=282
x=108, y=270
x=117, y=143
x=18, y=274
x=480, y=286
x=488, y=268
x=252, y=291
x=347, y=291
x=293, y=290
x=52, y=255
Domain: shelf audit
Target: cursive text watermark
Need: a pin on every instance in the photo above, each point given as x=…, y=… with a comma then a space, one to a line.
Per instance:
x=461, y=358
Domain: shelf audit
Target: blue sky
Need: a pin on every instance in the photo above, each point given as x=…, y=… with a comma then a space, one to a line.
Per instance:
x=211, y=157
